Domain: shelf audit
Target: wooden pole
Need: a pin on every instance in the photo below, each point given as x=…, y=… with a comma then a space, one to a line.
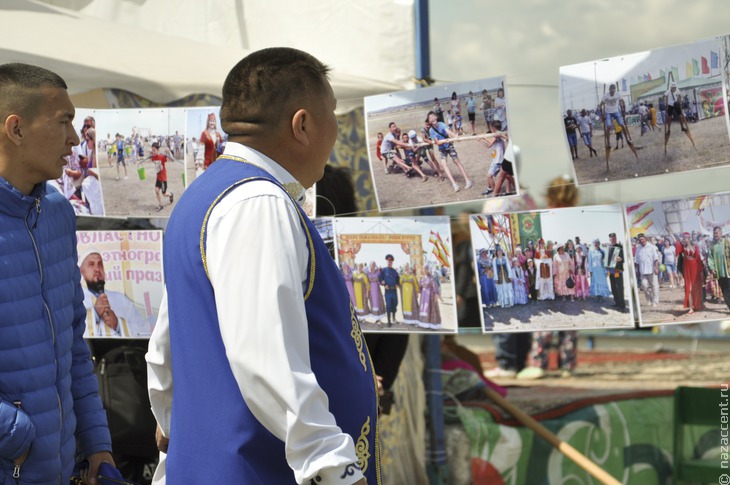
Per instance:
x=576, y=456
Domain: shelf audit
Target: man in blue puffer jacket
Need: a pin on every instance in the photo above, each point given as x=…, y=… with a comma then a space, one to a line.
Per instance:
x=49, y=395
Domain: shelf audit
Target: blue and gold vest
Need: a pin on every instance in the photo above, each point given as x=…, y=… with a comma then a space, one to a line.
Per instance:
x=214, y=436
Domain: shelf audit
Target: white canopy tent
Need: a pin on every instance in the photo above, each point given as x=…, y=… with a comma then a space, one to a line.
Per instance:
x=91, y=53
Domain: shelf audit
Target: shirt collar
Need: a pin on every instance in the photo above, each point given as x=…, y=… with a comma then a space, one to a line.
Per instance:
x=287, y=180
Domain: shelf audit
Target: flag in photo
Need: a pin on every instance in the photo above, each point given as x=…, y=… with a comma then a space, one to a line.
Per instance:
x=714, y=60
x=641, y=214
x=482, y=224
x=705, y=66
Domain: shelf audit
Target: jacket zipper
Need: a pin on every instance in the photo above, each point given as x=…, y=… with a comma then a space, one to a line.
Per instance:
x=45, y=306
x=16, y=468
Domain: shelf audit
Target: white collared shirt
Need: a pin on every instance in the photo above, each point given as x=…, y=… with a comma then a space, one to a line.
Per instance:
x=257, y=257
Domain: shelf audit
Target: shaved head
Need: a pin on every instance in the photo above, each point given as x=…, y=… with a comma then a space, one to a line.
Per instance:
x=21, y=88
x=269, y=86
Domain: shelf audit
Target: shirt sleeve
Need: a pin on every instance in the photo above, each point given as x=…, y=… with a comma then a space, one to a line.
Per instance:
x=159, y=371
x=257, y=262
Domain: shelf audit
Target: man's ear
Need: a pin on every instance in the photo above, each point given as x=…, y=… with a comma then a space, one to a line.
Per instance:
x=301, y=125
x=12, y=129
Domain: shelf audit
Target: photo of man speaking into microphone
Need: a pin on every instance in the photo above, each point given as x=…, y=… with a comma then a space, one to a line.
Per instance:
x=120, y=296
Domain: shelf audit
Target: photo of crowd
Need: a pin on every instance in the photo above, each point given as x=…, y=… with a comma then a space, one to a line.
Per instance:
x=79, y=182
x=552, y=270
x=141, y=162
x=398, y=272
x=649, y=113
x=445, y=144
x=681, y=254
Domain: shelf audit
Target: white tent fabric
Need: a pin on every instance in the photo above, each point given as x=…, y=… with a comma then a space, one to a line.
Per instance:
x=365, y=39
x=91, y=53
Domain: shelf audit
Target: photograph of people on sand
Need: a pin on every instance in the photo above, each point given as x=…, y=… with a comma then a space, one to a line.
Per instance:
x=141, y=160
x=560, y=269
x=440, y=145
x=681, y=255
x=649, y=113
x=398, y=272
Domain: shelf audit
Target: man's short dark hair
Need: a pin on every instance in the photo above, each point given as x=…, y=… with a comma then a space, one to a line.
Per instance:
x=262, y=87
x=20, y=85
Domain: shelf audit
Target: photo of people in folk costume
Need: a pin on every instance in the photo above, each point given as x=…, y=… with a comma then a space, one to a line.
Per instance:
x=551, y=270
x=398, y=272
x=681, y=254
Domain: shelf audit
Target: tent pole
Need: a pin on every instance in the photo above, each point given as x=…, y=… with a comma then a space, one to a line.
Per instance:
x=436, y=454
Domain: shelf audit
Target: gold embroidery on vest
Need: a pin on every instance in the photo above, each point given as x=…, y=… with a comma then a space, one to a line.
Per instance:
x=356, y=335
x=362, y=447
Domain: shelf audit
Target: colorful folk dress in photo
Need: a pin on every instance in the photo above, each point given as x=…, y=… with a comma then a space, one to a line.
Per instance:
x=360, y=283
x=409, y=295
x=429, y=314
x=503, y=280
x=377, y=303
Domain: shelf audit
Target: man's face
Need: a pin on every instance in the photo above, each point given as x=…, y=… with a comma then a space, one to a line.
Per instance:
x=432, y=119
x=390, y=263
x=92, y=270
x=324, y=133
x=611, y=90
x=49, y=137
x=612, y=239
x=642, y=241
x=716, y=234
x=393, y=129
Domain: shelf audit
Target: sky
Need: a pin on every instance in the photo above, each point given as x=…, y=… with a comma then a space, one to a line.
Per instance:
x=197, y=120
x=160, y=121
x=528, y=40
x=375, y=103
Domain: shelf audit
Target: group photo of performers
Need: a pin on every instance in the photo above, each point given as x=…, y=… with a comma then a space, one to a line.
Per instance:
x=141, y=160
x=445, y=144
x=681, y=255
x=667, y=113
x=398, y=272
x=552, y=270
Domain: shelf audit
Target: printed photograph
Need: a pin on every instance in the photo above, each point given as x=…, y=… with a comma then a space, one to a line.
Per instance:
x=562, y=269
x=141, y=162
x=649, y=113
x=205, y=141
x=398, y=272
x=440, y=145
x=121, y=274
x=79, y=181
x=681, y=257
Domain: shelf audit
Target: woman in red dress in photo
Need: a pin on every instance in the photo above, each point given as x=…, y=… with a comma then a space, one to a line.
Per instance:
x=692, y=270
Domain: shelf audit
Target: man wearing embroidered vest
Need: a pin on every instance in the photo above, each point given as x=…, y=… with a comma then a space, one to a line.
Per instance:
x=49, y=396
x=258, y=371
x=108, y=313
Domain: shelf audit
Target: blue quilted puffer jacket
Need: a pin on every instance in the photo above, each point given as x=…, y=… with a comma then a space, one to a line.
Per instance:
x=48, y=392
